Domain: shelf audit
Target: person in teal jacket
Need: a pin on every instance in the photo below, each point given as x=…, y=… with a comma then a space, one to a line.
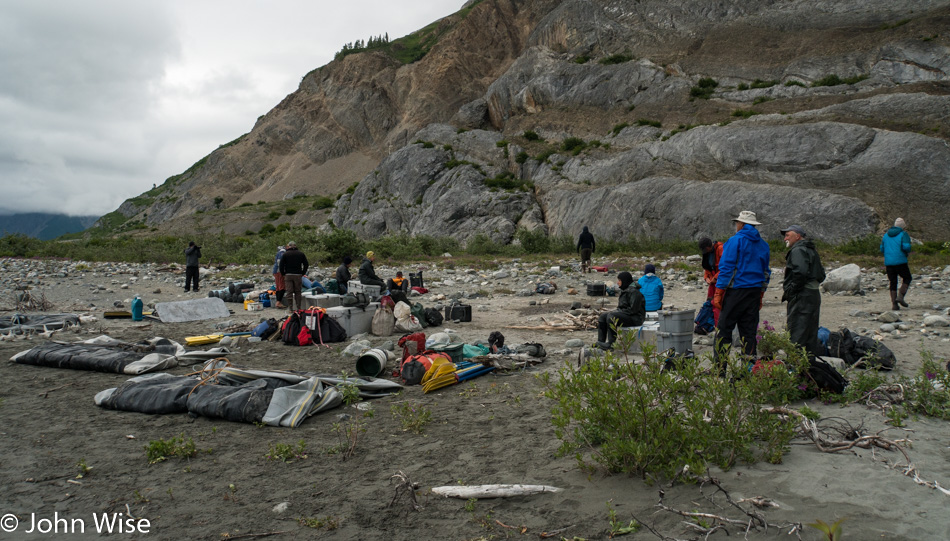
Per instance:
x=895, y=246
x=651, y=287
x=743, y=277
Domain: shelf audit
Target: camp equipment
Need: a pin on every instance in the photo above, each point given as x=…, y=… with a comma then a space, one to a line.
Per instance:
x=355, y=286
x=596, y=290
x=327, y=300
x=354, y=320
x=191, y=310
x=458, y=312
x=415, y=279
x=372, y=362
x=122, y=314
x=137, y=307
x=455, y=351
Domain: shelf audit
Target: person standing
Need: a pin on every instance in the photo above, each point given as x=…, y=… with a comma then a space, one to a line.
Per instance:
x=651, y=287
x=368, y=275
x=343, y=275
x=712, y=253
x=803, y=274
x=630, y=312
x=585, y=247
x=192, y=254
x=279, y=278
x=743, y=278
x=293, y=266
x=895, y=246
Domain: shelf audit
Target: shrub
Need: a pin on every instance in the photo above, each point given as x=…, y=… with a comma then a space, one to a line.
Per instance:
x=759, y=83
x=761, y=99
x=582, y=59
x=482, y=244
x=641, y=419
x=834, y=80
x=794, y=83
x=615, y=59
x=744, y=113
x=425, y=144
x=648, y=122
x=618, y=128
x=742, y=86
x=704, y=88
x=290, y=212
x=339, y=243
x=286, y=452
x=522, y=157
x=412, y=416
x=273, y=215
x=574, y=145
x=508, y=181
x=323, y=202
x=531, y=135
x=501, y=144
x=533, y=241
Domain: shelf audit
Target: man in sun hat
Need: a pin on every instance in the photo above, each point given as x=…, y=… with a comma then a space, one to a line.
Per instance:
x=803, y=274
x=743, y=277
x=366, y=273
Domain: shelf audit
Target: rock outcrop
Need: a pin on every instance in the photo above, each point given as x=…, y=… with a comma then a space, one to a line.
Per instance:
x=648, y=118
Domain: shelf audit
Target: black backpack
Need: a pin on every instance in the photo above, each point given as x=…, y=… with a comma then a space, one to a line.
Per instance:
x=359, y=300
x=290, y=330
x=433, y=317
x=331, y=330
x=825, y=376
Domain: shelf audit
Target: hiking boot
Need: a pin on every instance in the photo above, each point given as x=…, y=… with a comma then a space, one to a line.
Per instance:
x=900, y=296
x=281, y=305
x=894, y=305
x=606, y=346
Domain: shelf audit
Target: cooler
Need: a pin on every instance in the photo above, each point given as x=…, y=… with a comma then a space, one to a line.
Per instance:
x=326, y=300
x=678, y=321
x=458, y=312
x=373, y=292
x=353, y=319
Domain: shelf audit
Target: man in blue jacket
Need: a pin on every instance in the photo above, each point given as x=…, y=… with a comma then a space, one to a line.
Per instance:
x=743, y=277
x=895, y=246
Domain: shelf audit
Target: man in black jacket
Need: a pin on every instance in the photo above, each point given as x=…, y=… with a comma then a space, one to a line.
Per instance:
x=586, y=246
x=293, y=266
x=343, y=275
x=803, y=274
x=368, y=275
x=192, y=254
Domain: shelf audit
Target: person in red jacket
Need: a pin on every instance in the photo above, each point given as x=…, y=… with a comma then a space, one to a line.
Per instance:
x=712, y=252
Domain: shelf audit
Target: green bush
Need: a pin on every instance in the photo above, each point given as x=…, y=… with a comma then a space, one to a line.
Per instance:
x=618, y=128
x=273, y=215
x=339, y=243
x=759, y=83
x=533, y=241
x=323, y=202
x=834, y=80
x=629, y=417
x=573, y=145
x=744, y=113
x=522, y=157
x=648, y=122
x=530, y=135
x=160, y=450
x=794, y=83
x=290, y=212
x=482, y=244
x=742, y=86
x=582, y=59
x=704, y=88
x=615, y=59
x=266, y=229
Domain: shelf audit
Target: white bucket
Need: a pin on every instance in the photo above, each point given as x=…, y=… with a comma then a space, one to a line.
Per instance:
x=372, y=362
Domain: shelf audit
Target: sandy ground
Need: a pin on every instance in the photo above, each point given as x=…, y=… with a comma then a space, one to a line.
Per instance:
x=494, y=429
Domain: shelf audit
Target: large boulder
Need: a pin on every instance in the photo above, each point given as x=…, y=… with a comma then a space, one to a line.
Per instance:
x=846, y=278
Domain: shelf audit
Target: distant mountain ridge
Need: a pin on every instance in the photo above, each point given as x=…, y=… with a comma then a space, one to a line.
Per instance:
x=44, y=226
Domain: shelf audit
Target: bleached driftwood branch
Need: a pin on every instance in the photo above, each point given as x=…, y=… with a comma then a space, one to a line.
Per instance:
x=492, y=491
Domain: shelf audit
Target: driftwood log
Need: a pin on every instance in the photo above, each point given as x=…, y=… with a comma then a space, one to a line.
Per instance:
x=492, y=491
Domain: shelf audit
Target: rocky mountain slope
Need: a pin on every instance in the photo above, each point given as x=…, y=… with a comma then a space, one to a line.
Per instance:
x=650, y=118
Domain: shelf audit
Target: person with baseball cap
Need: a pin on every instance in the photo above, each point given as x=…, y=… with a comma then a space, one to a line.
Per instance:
x=743, y=278
x=293, y=266
x=803, y=274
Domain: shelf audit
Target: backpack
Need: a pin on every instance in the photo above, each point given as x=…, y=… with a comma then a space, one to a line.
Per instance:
x=359, y=300
x=420, y=312
x=331, y=330
x=873, y=353
x=433, y=317
x=412, y=344
x=496, y=341
x=705, y=320
x=265, y=329
x=332, y=286
x=291, y=330
x=825, y=376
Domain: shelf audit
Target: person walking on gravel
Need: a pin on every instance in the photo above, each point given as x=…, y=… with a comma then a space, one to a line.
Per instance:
x=895, y=246
x=585, y=247
x=192, y=255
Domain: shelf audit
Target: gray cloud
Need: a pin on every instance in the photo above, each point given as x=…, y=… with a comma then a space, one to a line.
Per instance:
x=101, y=99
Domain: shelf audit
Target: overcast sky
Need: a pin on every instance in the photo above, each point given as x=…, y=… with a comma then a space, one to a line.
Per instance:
x=103, y=98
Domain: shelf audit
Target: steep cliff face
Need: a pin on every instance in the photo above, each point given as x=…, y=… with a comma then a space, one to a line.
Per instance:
x=659, y=118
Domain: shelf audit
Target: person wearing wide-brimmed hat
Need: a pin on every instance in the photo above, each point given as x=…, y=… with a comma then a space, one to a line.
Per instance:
x=895, y=246
x=803, y=274
x=743, y=277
